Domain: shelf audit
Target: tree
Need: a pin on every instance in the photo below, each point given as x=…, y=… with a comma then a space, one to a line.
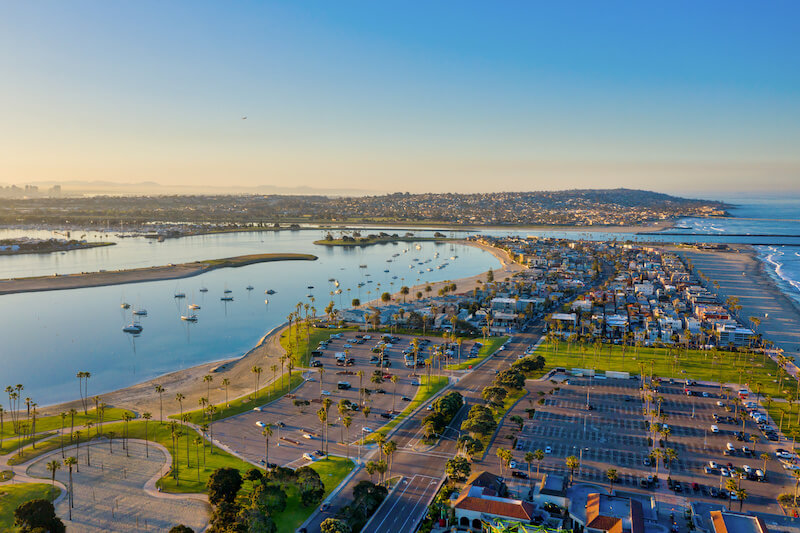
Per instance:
x=310, y=484
x=180, y=528
x=70, y=462
x=160, y=391
x=386, y=297
x=572, y=464
x=388, y=450
x=458, y=468
x=356, y=302
x=52, y=467
x=257, y=371
x=334, y=525
x=269, y=499
x=223, y=485
x=38, y=516
x=539, y=456
x=741, y=495
x=267, y=433
x=510, y=379
x=612, y=476
x=529, y=458
x=147, y=416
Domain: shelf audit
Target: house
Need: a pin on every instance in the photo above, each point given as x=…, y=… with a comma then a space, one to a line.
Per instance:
x=613, y=514
x=475, y=504
x=733, y=334
x=551, y=489
x=730, y=522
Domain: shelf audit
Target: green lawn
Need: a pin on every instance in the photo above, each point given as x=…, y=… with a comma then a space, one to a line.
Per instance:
x=500, y=412
x=12, y=496
x=12, y=443
x=301, y=351
x=49, y=423
x=332, y=470
x=425, y=391
x=245, y=403
x=489, y=346
x=758, y=371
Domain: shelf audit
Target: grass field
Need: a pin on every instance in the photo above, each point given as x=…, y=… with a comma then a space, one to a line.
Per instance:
x=49, y=423
x=300, y=352
x=12, y=496
x=756, y=370
x=245, y=403
x=489, y=346
x=13, y=443
x=500, y=412
x=425, y=391
x=332, y=470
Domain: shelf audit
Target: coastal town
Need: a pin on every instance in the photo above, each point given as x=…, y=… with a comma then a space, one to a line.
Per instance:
x=639, y=394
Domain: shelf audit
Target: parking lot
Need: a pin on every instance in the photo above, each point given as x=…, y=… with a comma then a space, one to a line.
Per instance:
x=297, y=429
x=614, y=433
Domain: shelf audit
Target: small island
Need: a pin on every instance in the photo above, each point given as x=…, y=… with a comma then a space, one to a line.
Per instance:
x=356, y=239
x=138, y=275
x=26, y=245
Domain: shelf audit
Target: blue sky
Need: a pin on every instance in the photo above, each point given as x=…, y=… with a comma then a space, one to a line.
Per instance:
x=678, y=96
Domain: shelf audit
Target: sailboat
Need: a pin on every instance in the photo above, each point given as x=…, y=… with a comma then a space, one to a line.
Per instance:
x=140, y=312
x=189, y=318
x=133, y=328
x=203, y=289
x=249, y=287
x=125, y=305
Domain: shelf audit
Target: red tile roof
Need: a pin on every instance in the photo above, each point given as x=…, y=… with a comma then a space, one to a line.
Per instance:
x=497, y=507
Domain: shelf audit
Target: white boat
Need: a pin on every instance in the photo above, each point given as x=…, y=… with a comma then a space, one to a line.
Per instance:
x=418, y=247
x=453, y=257
x=336, y=283
x=194, y=307
x=125, y=305
x=132, y=328
x=266, y=301
x=140, y=312
x=189, y=318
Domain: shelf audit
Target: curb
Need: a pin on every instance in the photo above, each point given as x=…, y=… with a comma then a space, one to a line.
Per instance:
x=375, y=513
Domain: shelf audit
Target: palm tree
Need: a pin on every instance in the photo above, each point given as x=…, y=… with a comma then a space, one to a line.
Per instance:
x=656, y=456
x=612, y=476
x=346, y=421
x=669, y=456
x=765, y=457
x=70, y=462
x=731, y=487
x=52, y=467
x=197, y=442
x=179, y=398
x=88, y=436
x=394, y=393
x=360, y=375
x=147, y=416
x=208, y=378
x=388, y=449
x=267, y=433
x=225, y=383
x=741, y=494
x=322, y=414
x=77, y=449
x=572, y=464
x=256, y=370
x=63, y=421
x=538, y=455
x=126, y=417
x=529, y=458
x=160, y=391
x=72, y=413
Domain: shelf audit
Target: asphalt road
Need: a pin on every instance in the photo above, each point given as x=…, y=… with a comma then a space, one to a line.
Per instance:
x=419, y=463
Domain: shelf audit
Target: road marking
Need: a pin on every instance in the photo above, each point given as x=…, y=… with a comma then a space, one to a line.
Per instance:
x=399, y=497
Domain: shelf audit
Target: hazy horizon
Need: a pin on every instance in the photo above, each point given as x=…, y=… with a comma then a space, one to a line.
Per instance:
x=696, y=100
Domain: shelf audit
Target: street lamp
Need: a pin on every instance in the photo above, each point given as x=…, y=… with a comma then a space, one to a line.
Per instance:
x=580, y=461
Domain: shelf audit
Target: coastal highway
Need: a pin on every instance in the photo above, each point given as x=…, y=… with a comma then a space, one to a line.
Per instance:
x=420, y=464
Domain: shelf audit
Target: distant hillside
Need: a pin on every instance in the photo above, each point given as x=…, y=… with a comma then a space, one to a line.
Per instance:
x=595, y=207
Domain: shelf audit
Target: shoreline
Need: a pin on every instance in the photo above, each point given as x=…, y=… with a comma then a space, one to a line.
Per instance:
x=741, y=273
x=139, y=275
x=141, y=397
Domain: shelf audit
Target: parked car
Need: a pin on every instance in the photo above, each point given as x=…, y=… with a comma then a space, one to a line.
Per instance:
x=714, y=428
x=518, y=474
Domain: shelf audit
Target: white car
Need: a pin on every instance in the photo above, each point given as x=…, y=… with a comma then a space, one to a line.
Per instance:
x=723, y=472
x=783, y=454
x=720, y=403
x=365, y=429
x=307, y=436
x=512, y=464
x=747, y=469
x=326, y=393
x=347, y=345
x=789, y=466
x=713, y=464
x=261, y=424
x=705, y=394
x=548, y=449
x=308, y=456
x=259, y=409
x=714, y=429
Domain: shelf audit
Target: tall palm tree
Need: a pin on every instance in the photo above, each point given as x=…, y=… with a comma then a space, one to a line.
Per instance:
x=197, y=442
x=211, y=410
x=77, y=449
x=612, y=476
x=670, y=455
x=126, y=417
x=225, y=383
x=765, y=457
x=267, y=433
x=208, y=378
x=72, y=413
x=388, y=449
x=63, y=421
x=322, y=414
x=88, y=436
x=160, y=391
x=539, y=456
x=52, y=467
x=70, y=462
x=529, y=458
x=360, y=375
x=572, y=464
x=394, y=393
x=741, y=495
x=179, y=397
x=147, y=416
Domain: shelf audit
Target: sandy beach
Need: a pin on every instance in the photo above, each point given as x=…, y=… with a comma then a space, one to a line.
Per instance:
x=189, y=382
x=138, y=275
x=740, y=274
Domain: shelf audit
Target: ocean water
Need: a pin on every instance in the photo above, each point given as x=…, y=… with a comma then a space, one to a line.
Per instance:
x=777, y=223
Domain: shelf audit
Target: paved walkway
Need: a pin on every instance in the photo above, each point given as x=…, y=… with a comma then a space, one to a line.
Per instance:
x=116, y=493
